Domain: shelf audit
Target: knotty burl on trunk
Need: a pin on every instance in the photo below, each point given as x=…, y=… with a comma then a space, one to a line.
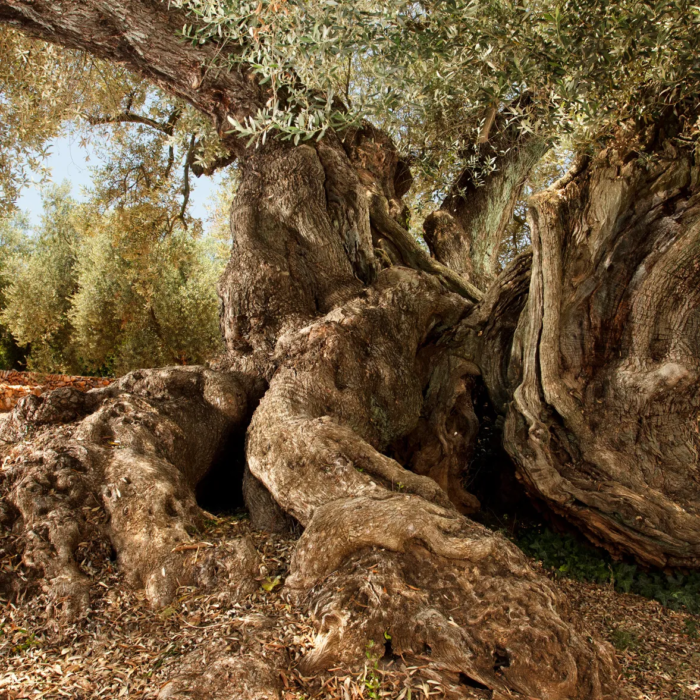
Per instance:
x=348, y=373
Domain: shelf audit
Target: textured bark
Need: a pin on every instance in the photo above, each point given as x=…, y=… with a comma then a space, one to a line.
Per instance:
x=381, y=541
x=450, y=594
x=119, y=465
x=466, y=232
x=301, y=244
x=603, y=425
x=442, y=443
x=346, y=390
x=485, y=336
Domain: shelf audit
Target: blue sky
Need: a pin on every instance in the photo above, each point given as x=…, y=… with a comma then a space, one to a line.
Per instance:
x=69, y=161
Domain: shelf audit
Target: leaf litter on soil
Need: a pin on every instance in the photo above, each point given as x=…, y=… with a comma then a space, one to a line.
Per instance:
x=123, y=648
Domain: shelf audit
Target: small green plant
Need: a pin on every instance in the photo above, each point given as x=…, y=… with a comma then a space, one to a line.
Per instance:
x=25, y=640
x=624, y=639
x=372, y=684
x=371, y=678
x=270, y=583
x=691, y=628
x=570, y=557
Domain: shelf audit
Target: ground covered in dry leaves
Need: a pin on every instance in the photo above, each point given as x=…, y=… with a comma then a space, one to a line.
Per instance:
x=125, y=649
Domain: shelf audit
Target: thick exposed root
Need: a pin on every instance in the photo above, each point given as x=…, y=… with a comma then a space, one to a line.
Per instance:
x=348, y=389
x=385, y=556
x=604, y=422
x=264, y=512
x=126, y=472
x=408, y=578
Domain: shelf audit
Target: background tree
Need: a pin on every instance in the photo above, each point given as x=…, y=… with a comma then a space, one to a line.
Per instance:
x=12, y=244
x=110, y=290
x=42, y=283
x=151, y=146
x=144, y=303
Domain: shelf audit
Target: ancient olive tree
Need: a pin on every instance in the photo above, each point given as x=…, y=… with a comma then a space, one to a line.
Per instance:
x=352, y=352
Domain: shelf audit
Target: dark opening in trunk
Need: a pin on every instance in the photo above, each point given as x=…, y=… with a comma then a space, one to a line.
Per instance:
x=504, y=502
x=221, y=491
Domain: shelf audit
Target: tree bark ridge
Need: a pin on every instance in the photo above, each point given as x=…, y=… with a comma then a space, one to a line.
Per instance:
x=602, y=425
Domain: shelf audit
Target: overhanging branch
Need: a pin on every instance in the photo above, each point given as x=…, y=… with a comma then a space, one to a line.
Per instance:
x=144, y=36
x=129, y=117
x=186, y=180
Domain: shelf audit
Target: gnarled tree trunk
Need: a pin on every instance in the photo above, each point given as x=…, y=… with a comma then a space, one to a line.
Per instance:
x=345, y=386
x=385, y=551
x=368, y=372
x=604, y=419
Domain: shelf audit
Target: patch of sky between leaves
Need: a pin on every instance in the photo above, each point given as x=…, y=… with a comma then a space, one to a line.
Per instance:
x=70, y=161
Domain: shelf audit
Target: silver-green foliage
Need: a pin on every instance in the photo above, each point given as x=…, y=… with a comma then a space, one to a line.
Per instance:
x=86, y=294
x=430, y=71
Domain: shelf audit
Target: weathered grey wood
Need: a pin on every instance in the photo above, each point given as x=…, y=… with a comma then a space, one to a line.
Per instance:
x=604, y=419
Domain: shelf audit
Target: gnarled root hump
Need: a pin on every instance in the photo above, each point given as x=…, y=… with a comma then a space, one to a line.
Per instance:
x=384, y=549
x=126, y=471
x=604, y=423
x=348, y=389
x=401, y=576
